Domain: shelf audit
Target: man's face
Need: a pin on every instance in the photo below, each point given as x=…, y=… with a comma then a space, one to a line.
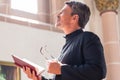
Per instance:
x=64, y=17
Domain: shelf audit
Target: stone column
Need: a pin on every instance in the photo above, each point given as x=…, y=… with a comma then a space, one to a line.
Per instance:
x=109, y=17
x=44, y=11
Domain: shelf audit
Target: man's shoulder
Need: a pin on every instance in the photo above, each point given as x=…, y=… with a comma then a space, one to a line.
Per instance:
x=89, y=35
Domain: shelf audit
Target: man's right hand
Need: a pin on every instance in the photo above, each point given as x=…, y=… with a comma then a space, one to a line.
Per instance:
x=31, y=74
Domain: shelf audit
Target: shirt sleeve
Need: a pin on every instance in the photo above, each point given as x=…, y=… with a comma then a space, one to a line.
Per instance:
x=94, y=67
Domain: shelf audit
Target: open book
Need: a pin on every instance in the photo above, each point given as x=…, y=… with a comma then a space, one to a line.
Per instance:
x=24, y=62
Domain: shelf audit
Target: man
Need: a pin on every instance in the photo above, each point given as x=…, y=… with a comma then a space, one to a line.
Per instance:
x=82, y=56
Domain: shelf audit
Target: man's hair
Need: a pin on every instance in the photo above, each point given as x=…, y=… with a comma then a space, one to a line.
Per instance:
x=81, y=10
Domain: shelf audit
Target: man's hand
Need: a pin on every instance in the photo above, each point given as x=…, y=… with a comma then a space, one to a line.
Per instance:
x=54, y=67
x=31, y=74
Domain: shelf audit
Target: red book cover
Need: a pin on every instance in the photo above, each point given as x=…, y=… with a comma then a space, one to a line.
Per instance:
x=24, y=62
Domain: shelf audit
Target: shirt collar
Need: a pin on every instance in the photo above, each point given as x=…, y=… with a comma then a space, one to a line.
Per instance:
x=75, y=33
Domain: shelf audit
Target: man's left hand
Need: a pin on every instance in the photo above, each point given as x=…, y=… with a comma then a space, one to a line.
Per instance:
x=54, y=67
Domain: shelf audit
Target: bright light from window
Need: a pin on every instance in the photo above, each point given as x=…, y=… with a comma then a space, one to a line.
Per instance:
x=25, y=5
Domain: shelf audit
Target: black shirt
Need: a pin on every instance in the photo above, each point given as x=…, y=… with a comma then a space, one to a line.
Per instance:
x=83, y=56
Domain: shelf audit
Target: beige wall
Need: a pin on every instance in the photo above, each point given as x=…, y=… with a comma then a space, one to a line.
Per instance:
x=119, y=20
x=25, y=42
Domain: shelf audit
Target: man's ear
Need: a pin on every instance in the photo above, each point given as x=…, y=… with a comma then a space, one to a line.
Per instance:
x=75, y=18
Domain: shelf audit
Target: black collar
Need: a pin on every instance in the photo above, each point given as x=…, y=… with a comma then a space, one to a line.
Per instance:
x=75, y=33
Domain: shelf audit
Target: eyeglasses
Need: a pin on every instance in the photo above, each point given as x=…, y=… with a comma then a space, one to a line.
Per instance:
x=43, y=51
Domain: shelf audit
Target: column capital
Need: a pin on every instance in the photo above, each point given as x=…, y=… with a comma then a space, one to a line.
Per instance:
x=107, y=5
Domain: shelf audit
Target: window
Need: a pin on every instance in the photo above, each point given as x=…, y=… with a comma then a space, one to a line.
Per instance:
x=25, y=5
x=33, y=13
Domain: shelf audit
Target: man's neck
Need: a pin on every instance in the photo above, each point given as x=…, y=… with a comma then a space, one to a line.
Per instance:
x=68, y=31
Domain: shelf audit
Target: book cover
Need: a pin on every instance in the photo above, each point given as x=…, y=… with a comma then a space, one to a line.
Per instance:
x=24, y=62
